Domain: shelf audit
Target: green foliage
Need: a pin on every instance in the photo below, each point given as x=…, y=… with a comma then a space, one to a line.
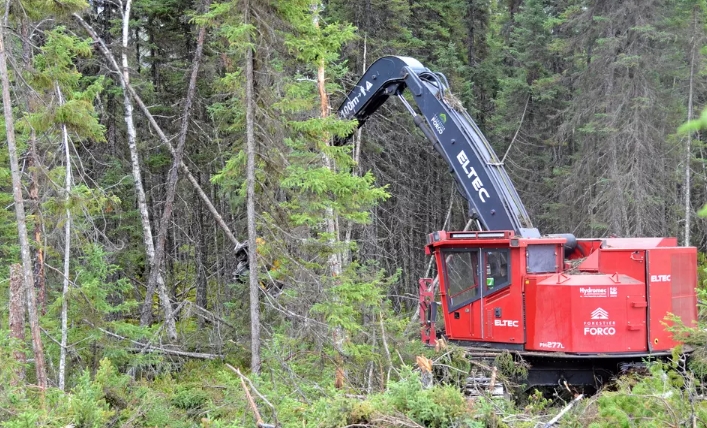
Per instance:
x=311, y=42
x=354, y=294
x=657, y=400
x=511, y=368
x=55, y=68
x=9, y=248
x=439, y=406
x=702, y=271
x=88, y=406
x=189, y=398
x=318, y=188
x=405, y=400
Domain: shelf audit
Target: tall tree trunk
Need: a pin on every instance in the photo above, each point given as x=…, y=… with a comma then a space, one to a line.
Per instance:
x=250, y=208
x=17, y=320
x=688, y=143
x=28, y=274
x=39, y=278
x=172, y=179
x=67, y=251
x=201, y=253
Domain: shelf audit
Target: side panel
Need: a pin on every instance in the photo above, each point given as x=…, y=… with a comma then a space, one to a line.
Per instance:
x=548, y=314
x=609, y=322
x=460, y=324
x=586, y=314
x=672, y=280
x=627, y=262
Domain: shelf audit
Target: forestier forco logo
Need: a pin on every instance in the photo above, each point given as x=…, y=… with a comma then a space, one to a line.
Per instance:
x=600, y=314
x=600, y=325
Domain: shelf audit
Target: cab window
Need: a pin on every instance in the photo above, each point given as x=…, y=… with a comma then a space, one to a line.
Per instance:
x=497, y=272
x=462, y=277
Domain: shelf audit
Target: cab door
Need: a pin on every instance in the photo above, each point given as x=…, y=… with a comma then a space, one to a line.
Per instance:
x=500, y=305
x=462, y=289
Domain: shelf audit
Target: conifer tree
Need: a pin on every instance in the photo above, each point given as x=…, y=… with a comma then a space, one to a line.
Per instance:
x=528, y=110
x=623, y=65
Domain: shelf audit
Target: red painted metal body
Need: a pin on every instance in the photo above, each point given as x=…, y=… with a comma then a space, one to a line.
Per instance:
x=613, y=297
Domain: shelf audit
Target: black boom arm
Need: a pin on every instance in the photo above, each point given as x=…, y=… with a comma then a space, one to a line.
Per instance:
x=492, y=198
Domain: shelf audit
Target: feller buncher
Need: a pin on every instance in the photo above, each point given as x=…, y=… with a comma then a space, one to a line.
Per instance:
x=576, y=310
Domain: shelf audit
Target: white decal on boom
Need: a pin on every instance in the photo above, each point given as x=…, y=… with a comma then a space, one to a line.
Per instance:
x=351, y=104
x=471, y=172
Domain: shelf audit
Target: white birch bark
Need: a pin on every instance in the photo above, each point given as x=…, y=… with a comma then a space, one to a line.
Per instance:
x=67, y=251
x=134, y=154
x=132, y=139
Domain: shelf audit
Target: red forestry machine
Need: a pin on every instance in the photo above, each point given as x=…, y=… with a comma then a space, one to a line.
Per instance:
x=577, y=310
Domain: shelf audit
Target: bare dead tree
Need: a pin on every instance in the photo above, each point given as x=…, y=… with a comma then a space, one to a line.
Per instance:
x=33, y=161
x=252, y=232
x=132, y=145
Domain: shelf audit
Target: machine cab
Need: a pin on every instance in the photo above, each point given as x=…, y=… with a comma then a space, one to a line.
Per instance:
x=481, y=282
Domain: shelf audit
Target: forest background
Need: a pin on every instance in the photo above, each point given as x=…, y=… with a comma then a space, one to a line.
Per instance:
x=138, y=132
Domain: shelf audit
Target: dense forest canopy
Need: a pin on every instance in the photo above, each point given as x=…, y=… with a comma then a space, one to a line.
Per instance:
x=138, y=133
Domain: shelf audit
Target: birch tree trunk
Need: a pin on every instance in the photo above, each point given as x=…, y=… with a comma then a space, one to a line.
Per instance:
x=67, y=251
x=17, y=320
x=250, y=208
x=135, y=162
x=27, y=273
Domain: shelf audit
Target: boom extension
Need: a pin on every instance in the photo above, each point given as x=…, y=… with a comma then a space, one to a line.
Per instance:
x=493, y=200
